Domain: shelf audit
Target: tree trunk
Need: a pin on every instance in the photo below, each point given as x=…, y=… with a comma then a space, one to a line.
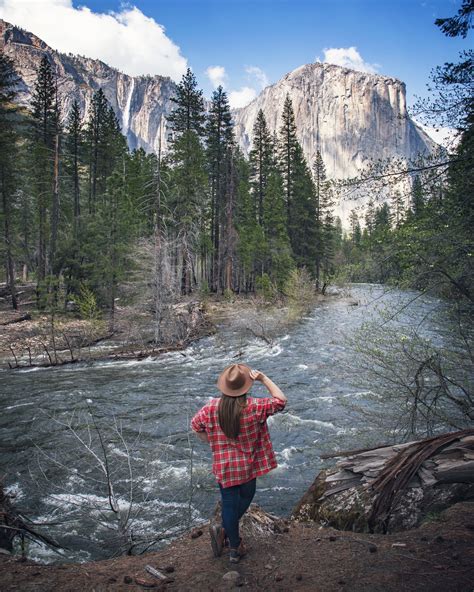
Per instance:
x=8, y=245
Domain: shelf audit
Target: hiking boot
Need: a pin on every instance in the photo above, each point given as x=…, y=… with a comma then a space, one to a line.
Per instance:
x=236, y=554
x=217, y=534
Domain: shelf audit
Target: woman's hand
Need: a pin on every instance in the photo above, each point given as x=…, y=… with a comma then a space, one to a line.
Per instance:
x=274, y=390
x=257, y=375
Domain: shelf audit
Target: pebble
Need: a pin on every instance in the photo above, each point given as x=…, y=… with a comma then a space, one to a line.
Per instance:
x=268, y=566
x=196, y=533
x=232, y=577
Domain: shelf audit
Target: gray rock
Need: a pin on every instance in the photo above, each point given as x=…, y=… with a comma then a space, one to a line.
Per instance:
x=233, y=577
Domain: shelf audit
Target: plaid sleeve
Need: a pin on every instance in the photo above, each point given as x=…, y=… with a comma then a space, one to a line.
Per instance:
x=268, y=406
x=198, y=422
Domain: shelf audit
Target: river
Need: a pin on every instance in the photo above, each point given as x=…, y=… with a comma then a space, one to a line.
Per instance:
x=57, y=480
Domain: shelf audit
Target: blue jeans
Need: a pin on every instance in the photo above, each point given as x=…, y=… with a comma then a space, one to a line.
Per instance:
x=235, y=501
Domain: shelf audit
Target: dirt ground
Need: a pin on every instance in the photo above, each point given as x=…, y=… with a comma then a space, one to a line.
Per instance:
x=437, y=557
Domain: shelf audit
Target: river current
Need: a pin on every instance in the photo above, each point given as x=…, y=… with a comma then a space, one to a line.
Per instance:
x=146, y=406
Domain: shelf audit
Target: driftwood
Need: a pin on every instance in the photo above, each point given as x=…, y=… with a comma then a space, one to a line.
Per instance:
x=398, y=471
x=392, y=487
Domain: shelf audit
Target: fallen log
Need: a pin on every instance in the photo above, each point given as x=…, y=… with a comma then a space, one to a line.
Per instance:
x=16, y=318
x=393, y=487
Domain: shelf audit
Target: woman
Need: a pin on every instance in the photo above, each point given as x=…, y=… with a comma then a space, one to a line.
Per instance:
x=235, y=425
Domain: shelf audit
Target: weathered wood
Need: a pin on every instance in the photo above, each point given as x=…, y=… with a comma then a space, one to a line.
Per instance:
x=351, y=452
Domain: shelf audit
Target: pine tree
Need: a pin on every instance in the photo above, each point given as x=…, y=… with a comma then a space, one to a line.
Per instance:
x=303, y=226
x=187, y=201
x=188, y=115
x=8, y=166
x=251, y=247
x=43, y=101
x=299, y=192
x=96, y=134
x=141, y=192
x=356, y=233
x=74, y=145
x=324, y=219
x=287, y=151
x=261, y=162
x=220, y=141
x=187, y=159
x=397, y=209
x=417, y=198
x=382, y=219
x=370, y=217
x=280, y=261
x=46, y=122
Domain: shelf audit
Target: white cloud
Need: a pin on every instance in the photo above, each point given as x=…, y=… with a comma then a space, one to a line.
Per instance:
x=241, y=97
x=258, y=74
x=217, y=75
x=348, y=57
x=127, y=40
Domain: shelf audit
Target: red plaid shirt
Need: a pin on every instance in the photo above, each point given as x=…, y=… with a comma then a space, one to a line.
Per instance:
x=251, y=454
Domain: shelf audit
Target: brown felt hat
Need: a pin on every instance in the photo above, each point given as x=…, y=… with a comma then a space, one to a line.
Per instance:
x=235, y=380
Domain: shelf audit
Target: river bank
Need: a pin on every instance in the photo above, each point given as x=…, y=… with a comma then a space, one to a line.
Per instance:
x=436, y=557
x=30, y=338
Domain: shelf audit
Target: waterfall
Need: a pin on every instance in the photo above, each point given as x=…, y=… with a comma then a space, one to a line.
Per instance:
x=126, y=111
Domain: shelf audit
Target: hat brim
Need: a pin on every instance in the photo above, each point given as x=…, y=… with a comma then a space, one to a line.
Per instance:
x=221, y=384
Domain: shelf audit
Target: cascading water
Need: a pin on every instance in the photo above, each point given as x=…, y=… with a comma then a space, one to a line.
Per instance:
x=126, y=111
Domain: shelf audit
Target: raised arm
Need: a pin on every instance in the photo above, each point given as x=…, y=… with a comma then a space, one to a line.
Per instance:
x=274, y=390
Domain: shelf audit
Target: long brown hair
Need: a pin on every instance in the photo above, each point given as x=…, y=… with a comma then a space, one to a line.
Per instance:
x=229, y=412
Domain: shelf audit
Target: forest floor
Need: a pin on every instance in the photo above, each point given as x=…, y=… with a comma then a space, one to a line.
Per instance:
x=436, y=557
x=29, y=337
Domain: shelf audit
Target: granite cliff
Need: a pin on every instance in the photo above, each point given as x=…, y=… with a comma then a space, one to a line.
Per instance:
x=140, y=102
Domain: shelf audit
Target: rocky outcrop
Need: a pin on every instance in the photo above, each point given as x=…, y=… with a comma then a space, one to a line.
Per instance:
x=392, y=488
x=349, y=116
x=139, y=102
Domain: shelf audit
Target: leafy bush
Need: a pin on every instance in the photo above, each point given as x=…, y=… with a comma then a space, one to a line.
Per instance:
x=265, y=288
x=87, y=304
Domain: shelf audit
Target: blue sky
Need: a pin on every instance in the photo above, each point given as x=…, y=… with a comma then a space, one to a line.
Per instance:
x=252, y=41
